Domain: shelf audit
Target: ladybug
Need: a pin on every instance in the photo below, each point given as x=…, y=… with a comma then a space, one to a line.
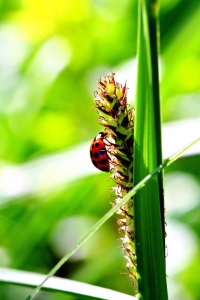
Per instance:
x=98, y=153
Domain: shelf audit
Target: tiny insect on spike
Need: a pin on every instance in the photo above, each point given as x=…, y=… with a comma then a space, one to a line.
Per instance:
x=98, y=153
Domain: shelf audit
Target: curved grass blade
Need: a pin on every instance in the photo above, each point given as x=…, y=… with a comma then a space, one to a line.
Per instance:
x=56, y=284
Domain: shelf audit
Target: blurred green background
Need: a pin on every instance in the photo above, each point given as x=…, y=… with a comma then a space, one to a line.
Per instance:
x=52, y=54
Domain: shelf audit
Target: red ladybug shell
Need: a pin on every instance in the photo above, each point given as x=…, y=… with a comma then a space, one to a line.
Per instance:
x=98, y=154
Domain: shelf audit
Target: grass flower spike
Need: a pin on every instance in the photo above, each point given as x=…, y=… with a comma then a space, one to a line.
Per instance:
x=112, y=150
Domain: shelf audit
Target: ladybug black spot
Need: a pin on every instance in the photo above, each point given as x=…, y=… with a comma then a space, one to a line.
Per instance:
x=96, y=145
x=91, y=154
x=104, y=161
x=96, y=154
x=104, y=169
